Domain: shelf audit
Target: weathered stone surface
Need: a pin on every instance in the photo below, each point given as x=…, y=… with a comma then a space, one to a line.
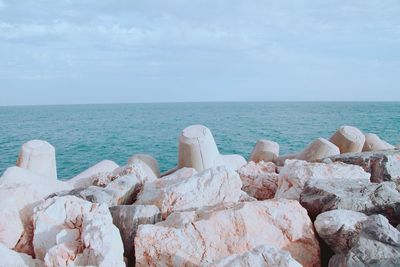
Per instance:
x=374, y=143
x=210, y=187
x=264, y=150
x=295, y=173
x=210, y=234
x=339, y=228
x=183, y=173
x=260, y=180
x=348, y=139
x=147, y=159
x=317, y=150
x=39, y=157
x=378, y=245
x=85, y=178
x=352, y=194
x=382, y=165
x=71, y=231
x=128, y=218
x=20, y=191
x=234, y=161
x=10, y=258
x=265, y=255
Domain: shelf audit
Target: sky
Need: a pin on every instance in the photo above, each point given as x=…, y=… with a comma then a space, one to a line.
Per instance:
x=107, y=51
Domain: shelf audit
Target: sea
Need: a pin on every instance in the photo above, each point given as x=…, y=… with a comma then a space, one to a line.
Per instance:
x=86, y=134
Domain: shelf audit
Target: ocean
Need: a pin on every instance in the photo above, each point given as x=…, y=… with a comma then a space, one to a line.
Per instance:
x=86, y=134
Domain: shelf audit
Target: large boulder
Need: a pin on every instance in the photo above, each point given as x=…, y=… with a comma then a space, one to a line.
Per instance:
x=265, y=255
x=264, y=150
x=128, y=218
x=210, y=187
x=260, y=180
x=318, y=149
x=85, y=178
x=352, y=194
x=374, y=143
x=339, y=228
x=20, y=191
x=382, y=165
x=148, y=160
x=348, y=139
x=295, y=173
x=71, y=231
x=378, y=245
x=195, y=238
x=11, y=258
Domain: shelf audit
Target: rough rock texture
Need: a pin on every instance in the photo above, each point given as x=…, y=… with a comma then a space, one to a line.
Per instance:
x=210, y=187
x=374, y=143
x=20, y=191
x=183, y=173
x=378, y=245
x=317, y=150
x=348, y=139
x=148, y=160
x=10, y=258
x=85, y=178
x=128, y=218
x=264, y=150
x=351, y=194
x=210, y=234
x=339, y=228
x=265, y=255
x=382, y=165
x=260, y=180
x=71, y=231
x=295, y=173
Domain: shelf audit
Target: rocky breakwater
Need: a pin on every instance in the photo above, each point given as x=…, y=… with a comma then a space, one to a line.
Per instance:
x=335, y=203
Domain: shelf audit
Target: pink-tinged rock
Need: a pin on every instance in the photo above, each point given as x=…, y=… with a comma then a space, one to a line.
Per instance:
x=183, y=173
x=210, y=187
x=294, y=175
x=85, y=178
x=233, y=161
x=20, y=191
x=374, y=143
x=71, y=231
x=196, y=238
x=11, y=258
x=39, y=157
x=268, y=256
x=348, y=139
x=260, y=180
x=317, y=150
x=264, y=150
x=147, y=159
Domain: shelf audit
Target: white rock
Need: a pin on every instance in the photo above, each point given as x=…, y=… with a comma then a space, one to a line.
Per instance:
x=147, y=159
x=339, y=228
x=264, y=150
x=196, y=238
x=40, y=157
x=317, y=150
x=85, y=178
x=183, y=173
x=10, y=258
x=71, y=231
x=374, y=143
x=296, y=173
x=265, y=255
x=233, y=161
x=210, y=187
x=348, y=139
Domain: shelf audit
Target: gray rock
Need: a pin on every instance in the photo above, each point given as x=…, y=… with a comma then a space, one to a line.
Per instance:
x=382, y=165
x=352, y=194
x=378, y=245
x=128, y=218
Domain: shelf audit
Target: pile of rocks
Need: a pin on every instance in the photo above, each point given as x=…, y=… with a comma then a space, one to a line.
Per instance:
x=336, y=202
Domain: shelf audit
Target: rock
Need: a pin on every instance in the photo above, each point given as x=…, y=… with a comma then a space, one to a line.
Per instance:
x=39, y=157
x=265, y=255
x=20, y=191
x=183, y=173
x=317, y=150
x=196, y=238
x=382, y=165
x=374, y=143
x=264, y=150
x=348, y=139
x=378, y=245
x=210, y=187
x=339, y=228
x=352, y=194
x=260, y=180
x=147, y=159
x=295, y=173
x=128, y=218
x=280, y=161
x=10, y=258
x=233, y=161
x=71, y=231
x=85, y=178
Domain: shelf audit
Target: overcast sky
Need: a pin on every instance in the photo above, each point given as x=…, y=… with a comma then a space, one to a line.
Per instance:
x=107, y=51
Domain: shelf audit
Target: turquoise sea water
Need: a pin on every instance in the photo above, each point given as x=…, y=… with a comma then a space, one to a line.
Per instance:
x=86, y=134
